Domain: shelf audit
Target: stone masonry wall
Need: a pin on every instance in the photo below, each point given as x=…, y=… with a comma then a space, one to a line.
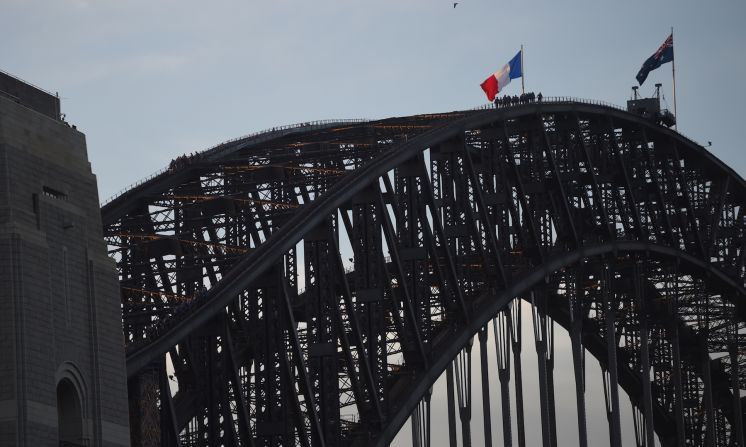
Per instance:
x=59, y=298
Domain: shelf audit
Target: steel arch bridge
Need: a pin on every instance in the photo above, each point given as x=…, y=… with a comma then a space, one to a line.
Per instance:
x=274, y=280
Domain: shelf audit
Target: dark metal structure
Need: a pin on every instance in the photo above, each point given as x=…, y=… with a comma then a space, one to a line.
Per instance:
x=275, y=280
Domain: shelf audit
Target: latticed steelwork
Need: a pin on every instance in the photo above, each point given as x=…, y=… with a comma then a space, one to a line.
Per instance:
x=276, y=283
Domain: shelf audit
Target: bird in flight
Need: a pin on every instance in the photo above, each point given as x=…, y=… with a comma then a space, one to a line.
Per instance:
x=454, y=4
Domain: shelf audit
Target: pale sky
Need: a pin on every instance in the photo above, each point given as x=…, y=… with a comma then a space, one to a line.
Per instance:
x=146, y=81
x=149, y=80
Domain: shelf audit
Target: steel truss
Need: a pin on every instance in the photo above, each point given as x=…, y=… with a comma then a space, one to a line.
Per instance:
x=308, y=286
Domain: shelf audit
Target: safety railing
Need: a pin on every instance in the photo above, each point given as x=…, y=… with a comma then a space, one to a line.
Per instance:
x=28, y=83
x=274, y=132
x=133, y=186
x=572, y=99
x=255, y=137
x=553, y=99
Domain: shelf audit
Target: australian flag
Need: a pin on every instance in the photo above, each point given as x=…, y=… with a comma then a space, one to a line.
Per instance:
x=663, y=55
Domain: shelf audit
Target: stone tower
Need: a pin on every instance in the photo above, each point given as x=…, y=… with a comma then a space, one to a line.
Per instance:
x=62, y=369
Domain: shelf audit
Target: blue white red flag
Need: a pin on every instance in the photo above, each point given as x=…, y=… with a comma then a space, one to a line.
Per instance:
x=501, y=78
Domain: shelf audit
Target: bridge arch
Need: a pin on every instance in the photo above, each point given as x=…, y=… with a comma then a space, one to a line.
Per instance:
x=510, y=191
x=629, y=380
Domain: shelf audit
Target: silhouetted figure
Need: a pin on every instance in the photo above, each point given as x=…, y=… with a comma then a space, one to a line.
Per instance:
x=539, y=97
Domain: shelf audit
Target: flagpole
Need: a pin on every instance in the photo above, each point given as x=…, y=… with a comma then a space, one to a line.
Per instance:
x=673, y=73
x=523, y=73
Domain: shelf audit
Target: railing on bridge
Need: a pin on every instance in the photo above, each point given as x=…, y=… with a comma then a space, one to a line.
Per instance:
x=572, y=99
x=555, y=99
x=266, y=134
x=255, y=137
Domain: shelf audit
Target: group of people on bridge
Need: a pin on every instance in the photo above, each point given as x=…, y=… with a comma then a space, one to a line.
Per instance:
x=514, y=100
x=182, y=309
x=183, y=160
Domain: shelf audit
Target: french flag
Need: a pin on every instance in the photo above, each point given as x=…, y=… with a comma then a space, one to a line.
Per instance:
x=501, y=78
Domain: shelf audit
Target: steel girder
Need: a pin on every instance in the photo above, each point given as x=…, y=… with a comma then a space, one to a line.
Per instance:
x=273, y=284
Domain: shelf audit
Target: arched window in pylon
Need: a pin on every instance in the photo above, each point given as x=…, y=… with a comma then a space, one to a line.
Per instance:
x=69, y=414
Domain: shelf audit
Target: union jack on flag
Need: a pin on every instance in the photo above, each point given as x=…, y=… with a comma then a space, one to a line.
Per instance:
x=660, y=57
x=666, y=45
